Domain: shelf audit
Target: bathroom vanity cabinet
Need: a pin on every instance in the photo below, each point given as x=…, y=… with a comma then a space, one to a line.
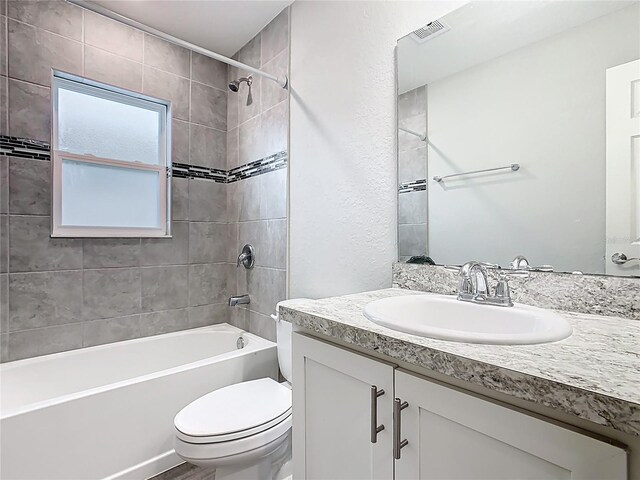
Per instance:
x=356, y=417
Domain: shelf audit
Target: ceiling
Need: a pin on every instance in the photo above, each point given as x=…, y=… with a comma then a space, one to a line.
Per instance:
x=223, y=26
x=483, y=30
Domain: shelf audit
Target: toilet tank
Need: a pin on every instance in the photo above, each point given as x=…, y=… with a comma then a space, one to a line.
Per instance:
x=283, y=335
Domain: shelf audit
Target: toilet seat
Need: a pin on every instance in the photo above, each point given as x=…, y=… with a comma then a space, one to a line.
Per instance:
x=235, y=412
x=221, y=450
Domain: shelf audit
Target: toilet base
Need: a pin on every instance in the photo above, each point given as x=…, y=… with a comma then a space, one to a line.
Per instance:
x=269, y=462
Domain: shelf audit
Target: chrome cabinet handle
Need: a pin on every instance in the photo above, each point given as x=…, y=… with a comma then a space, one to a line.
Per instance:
x=398, y=406
x=375, y=428
x=621, y=258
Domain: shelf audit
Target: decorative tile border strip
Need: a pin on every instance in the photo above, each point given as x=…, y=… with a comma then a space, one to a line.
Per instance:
x=415, y=186
x=264, y=165
x=37, y=150
x=24, y=147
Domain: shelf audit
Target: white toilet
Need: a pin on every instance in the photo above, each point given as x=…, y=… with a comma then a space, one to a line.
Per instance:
x=243, y=430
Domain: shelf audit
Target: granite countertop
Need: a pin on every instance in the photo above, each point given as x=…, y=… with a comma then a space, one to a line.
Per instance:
x=594, y=374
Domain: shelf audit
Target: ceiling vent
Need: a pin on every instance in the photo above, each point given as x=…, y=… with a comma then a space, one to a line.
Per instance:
x=429, y=31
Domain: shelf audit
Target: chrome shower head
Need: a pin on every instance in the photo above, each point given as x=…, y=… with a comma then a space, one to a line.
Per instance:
x=234, y=86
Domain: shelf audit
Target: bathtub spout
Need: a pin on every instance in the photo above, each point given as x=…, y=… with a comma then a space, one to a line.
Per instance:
x=239, y=300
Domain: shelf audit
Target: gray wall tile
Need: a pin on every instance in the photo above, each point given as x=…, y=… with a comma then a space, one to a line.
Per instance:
x=29, y=186
x=3, y=45
x=4, y=184
x=165, y=288
x=44, y=299
x=203, y=315
x=233, y=106
x=207, y=147
x=272, y=93
x=180, y=198
x=266, y=287
x=180, y=141
x=275, y=128
x=412, y=165
x=111, y=252
x=262, y=325
x=4, y=347
x=249, y=54
x=232, y=149
x=239, y=317
x=43, y=341
x=4, y=106
x=233, y=244
x=166, y=56
x=31, y=249
x=33, y=52
x=4, y=243
x=167, y=251
x=208, y=284
x=244, y=199
x=208, y=106
x=29, y=111
x=109, y=330
x=207, y=201
x=412, y=208
x=273, y=194
x=167, y=86
x=275, y=36
x=251, y=144
x=55, y=16
x=112, y=69
x=412, y=240
x=208, y=71
x=4, y=303
x=157, y=323
x=207, y=242
x=111, y=292
x=112, y=36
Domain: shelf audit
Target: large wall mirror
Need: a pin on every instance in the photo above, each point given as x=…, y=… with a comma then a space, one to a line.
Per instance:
x=519, y=135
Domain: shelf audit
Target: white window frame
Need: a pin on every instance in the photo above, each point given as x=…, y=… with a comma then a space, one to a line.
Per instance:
x=108, y=92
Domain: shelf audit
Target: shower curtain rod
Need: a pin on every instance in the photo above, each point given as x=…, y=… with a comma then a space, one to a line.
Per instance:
x=282, y=81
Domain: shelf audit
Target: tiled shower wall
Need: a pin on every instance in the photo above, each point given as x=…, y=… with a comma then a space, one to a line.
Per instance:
x=258, y=205
x=61, y=294
x=412, y=174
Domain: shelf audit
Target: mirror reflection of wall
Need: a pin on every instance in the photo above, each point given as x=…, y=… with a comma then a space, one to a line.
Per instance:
x=527, y=83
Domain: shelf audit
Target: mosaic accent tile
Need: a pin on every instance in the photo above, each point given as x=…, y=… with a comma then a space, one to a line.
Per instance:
x=414, y=186
x=35, y=149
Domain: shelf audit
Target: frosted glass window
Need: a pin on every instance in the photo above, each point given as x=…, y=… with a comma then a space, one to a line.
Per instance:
x=110, y=162
x=95, y=195
x=89, y=125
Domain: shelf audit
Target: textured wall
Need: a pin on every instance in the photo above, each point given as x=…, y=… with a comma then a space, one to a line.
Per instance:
x=258, y=205
x=342, y=142
x=61, y=294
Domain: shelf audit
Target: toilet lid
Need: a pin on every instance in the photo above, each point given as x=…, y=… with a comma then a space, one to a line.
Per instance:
x=236, y=408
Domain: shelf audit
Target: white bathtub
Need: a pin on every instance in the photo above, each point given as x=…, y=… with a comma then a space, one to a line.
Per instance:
x=107, y=411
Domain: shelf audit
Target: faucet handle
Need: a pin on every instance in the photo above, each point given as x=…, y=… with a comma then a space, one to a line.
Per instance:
x=505, y=274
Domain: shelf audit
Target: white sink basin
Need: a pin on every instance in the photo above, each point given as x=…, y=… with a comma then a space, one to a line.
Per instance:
x=444, y=317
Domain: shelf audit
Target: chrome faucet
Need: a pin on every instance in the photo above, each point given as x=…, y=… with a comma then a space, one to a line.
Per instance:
x=521, y=263
x=239, y=300
x=473, y=284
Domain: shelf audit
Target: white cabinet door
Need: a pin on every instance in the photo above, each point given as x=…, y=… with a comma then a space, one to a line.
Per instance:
x=455, y=435
x=332, y=413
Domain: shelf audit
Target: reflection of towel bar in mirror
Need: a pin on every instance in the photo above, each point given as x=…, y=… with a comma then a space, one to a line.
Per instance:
x=514, y=167
x=419, y=135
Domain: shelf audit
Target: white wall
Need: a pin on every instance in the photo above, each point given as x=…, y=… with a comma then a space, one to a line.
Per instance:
x=342, y=204
x=542, y=106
